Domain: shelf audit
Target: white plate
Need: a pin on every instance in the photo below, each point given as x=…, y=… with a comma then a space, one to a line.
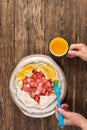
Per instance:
x=33, y=112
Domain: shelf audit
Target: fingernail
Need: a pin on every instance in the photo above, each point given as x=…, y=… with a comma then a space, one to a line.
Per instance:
x=68, y=55
x=69, y=52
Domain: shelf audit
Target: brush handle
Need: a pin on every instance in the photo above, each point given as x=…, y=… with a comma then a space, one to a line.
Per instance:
x=61, y=120
x=60, y=116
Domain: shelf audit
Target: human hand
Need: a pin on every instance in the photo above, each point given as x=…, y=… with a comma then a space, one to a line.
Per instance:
x=71, y=118
x=79, y=50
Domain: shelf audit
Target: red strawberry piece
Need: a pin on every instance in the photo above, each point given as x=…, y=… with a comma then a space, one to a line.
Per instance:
x=33, y=76
x=25, y=89
x=47, y=93
x=33, y=84
x=38, y=80
x=43, y=79
x=32, y=94
x=27, y=78
x=43, y=91
x=22, y=88
x=41, y=73
x=39, y=88
x=33, y=89
x=34, y=71
x=37, y=98
x=50, y=80
x=50, y=89
x=27, y=85
x=37, y=92
x=24, y=81
x=46, y=84
x=32, y=80
x=40, y=84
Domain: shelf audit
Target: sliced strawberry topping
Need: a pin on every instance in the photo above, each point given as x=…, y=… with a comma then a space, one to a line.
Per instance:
x=43, y=91
x=32, y=94
x=33, y=84
x=24, y=81
x=25, y=89
x=37, y=85
x=37, y=98
x=47, y=93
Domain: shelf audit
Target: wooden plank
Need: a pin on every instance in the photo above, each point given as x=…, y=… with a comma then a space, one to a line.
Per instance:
x=68, y=31
x=36, y=44
x=51, y=21
x=36, y=26
x=81, y=87
x=51, y=30
x=0, y=21
x=21, y=50
x=7, y=62
x=1, y=91
x=29, y=37
x=21, y=34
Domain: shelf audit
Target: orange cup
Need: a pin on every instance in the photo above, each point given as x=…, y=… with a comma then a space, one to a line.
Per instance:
x=58, y=46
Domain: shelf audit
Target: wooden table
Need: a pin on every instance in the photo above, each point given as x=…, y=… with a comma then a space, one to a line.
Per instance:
x=26, y=27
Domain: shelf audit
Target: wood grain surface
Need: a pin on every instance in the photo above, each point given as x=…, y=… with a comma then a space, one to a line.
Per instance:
x=26, y=27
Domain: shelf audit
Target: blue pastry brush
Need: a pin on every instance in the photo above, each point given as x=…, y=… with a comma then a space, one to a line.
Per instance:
x=57, y=91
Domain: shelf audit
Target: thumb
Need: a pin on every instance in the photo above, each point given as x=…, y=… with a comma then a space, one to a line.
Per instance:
x=64, y=113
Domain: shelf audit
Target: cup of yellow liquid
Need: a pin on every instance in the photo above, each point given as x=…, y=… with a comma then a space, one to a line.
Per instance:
x=58, y=46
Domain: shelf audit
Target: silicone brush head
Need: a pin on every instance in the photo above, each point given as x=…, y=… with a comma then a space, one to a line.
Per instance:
x=56, y=86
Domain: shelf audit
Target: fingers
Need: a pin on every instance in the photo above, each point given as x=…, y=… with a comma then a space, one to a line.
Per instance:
x=63, y=112
x=65, y=106
x=56, y=112
x=74, y=50
x=72, y=53
x=76, y=46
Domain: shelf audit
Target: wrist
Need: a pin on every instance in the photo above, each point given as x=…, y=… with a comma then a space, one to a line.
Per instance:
x=83, y=124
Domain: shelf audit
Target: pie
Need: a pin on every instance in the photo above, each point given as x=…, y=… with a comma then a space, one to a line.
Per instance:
x=34, y=85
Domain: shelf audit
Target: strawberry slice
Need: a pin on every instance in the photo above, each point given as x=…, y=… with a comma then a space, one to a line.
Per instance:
x=50, y=80
x=47, y=93
x=27, y=79
x=33, y=84
x=48, y=84
x=39, y=88
x=37, y=98
x=37, y=92
x=25, y=89
x=38, y=80
x=43, y=91
x=27, y=85
x=32, y=94
x=50, y=89
x=34, y=71
x=24, y=81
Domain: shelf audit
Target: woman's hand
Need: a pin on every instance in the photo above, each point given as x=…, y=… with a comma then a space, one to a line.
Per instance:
x=79, y=50
x=71, y=118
